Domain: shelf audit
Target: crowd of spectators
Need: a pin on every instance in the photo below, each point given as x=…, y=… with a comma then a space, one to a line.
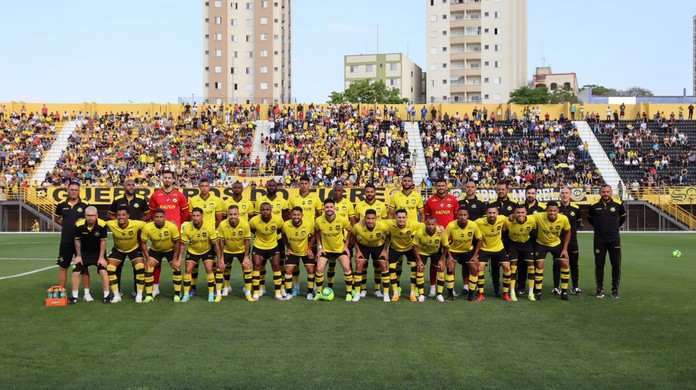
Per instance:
x=347, y=143
x=208, y=141
x=25, y=137
x=532, y=149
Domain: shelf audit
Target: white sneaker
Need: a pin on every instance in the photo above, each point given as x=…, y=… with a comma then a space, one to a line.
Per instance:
x=356, y=297
x=440, y=298
x=288, y=297
x=262, y=292
x=279, y=297
x=456, y=294
x=116, y=298
x=225, y=291
x=255, y=297
x=283, y=293
x=363, y=293
x=379, y=294
x=88, y=298
x=138, y=299
x=310, y=296
x=244, y=291
x=155, y=290
x=433, y=292
x=386, y=298
x=421, y=298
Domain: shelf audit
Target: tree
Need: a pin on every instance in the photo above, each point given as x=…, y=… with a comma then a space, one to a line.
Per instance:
x=527, y=95
x=598, y=90
x=564, y=95
x=365, y=91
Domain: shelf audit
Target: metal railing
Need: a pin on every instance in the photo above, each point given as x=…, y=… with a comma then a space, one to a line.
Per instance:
x=661, y=198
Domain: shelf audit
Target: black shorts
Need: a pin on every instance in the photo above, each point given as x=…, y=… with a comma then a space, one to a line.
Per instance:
x=463, y=258
x=66, y=252
x=395, y=256
x=374, y=253
x=543, y=250
x=281, y=248
x=500, y=256
x=86, y=262
x=294, y=260
x=332, y=257
x=208, y=256
x=157, y=255
x=121, y=256
x=266, y=254
x=229, y=258
x=434, y=258
x=521, y=251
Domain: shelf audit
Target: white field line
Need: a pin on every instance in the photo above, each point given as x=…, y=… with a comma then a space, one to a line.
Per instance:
x=27, y=273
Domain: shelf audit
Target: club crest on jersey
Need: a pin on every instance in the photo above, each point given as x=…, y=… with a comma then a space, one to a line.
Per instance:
x=612, y=209
x=174, y=200
x=130, y=233
x=96, y=234
x=136, y=205
x=470, y=234
x=166, y=233
x=473, y=206
x=79, y=210
x=572, y=213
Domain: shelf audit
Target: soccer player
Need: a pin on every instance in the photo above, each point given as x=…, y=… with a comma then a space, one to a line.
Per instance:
x=311, y=208
x=280, y=208
x=246, y=210
x=506, y=207
x=67, y=214
x=126, y=236
x=430, y=242
x=465, y=240
x=175, y=206
x=199, y=241
x=213, y=211
x=333, y=245
x=401, y=231
x=553, y=236
x=492, y=226
x=90, y=249
x=165, y=242
x=298, y=235
x=234, y=237
x=371, y=202
x=476, y=209
x=606, y=216
x=443, y=206
x=407, y=199
x=572, y=211
x=138, y=209
x=266, y=227
x=532, y=206
x=369, y=238
x=520, y=231
x=344, y=209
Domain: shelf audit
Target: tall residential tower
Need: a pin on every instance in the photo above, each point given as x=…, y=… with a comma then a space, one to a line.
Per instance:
x=247, y=51
x=477, y=50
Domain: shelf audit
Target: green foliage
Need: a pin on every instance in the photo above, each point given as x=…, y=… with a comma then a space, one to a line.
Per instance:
x=527, y=95
x=564, y=95
x=637, y=341
x=598, y=90
x=365, y=91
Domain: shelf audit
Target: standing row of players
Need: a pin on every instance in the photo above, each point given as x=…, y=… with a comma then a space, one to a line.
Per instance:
x=322, y=234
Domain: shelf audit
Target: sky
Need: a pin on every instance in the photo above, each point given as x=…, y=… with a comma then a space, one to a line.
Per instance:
x=120, y=51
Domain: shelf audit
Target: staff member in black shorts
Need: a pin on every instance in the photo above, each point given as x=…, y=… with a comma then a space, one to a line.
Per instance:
x=606, y=216
x=90, y=249
x=67, y=214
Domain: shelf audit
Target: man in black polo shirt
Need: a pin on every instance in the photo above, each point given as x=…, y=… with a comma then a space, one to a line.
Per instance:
x=506, y=207
x=606, y=216
x=533, y=206
x=67, y=214
x=138, y=209
x=90, y=249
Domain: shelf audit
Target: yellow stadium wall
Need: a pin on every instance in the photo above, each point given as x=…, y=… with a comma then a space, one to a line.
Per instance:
x=554, y=110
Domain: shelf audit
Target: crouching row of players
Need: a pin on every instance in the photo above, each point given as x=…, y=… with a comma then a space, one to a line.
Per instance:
x=387, y=243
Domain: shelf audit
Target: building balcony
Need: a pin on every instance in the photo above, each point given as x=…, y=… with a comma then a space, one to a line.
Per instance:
x=464, y=88
x=464, y=39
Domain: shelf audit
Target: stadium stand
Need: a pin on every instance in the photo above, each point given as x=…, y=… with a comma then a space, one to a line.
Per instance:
x=654, y=153
x=24, y=139
x=526, y=151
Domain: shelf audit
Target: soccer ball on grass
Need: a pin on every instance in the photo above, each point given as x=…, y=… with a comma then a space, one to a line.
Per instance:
x=327, y=294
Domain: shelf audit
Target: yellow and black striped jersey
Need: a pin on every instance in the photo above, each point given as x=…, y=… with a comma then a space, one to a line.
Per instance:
x=234, y=238
x=377, y=205
x=492, y=233
x=371, y=238
x=333, y=238
x=200, y=240
x=462, y=238
x=266, y=233
x=429, y=244
x=210, y=206
x=549, y=233
x=520, y=232
x=126, y=239
x=311, y=204
x=298, y=236
x=245, y=206
x=163, y=238
x=412, y=203
x=402, y=237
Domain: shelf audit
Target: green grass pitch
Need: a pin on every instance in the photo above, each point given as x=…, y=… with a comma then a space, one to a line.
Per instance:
x=645, y=339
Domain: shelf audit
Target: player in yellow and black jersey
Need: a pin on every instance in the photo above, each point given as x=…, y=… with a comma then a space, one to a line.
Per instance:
x=492, y=227
x=381, y=210
x=533, y=206
x=465, y=241
x=369, y=237
x=401, y=231
x=430, y=242
x=165, y=245
x=553, y=236
x=126, y=235
x=311, y=208
x=344, y=209
x=234, y=238
x=333, y=245
x=298, y=234
x=408, y=199
x=279, y=208
x=245, y=206
x=266, y=228
x=521, y=231
x=213, y=211
x=199, y=241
